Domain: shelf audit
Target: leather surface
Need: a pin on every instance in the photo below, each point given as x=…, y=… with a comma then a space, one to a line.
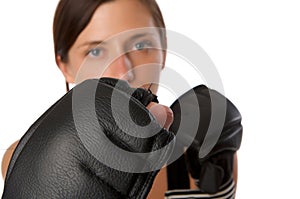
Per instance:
x=213, y=171
x=51, y=160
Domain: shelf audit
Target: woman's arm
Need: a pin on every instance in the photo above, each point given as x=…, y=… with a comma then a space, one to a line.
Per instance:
x=6, y=158
x=235, y=168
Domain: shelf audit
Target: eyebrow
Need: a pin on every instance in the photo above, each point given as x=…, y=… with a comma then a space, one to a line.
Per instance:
x=140, y=35
x=91, y=43
x=97, y=42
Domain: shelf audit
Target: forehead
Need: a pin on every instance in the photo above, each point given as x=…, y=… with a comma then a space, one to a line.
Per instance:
x=115, y=17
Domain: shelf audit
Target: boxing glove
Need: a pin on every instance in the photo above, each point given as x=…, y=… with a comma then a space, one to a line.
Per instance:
x=97, y=141
x=216, y=135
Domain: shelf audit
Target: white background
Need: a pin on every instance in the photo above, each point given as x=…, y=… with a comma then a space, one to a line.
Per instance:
x=255, y=46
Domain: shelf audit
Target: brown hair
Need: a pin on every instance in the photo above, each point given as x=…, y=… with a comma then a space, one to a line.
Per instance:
x=72, y=16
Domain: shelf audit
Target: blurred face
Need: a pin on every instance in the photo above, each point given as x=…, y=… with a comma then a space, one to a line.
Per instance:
x=119, y=43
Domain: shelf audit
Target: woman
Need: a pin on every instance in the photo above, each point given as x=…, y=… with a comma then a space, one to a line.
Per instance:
x=118, y=34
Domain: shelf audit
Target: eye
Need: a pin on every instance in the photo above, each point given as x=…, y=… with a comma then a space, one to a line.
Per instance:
x=142, y=45
x=95, y=52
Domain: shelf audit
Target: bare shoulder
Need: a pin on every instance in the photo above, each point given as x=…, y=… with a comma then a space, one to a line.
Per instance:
x=7, y=156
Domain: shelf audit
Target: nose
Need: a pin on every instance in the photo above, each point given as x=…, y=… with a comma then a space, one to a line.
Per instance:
x=121, y=68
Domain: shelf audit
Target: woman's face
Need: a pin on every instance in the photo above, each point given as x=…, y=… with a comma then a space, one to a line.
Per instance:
x=119, y=43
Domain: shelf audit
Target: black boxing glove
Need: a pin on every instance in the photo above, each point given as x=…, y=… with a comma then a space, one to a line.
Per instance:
x=77, y=147
x=215, y=140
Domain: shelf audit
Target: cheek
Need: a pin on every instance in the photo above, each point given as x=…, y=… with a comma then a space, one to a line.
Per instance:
x=76, y=66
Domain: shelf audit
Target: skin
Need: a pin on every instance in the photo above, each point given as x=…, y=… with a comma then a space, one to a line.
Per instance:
x=117, y=41
x=120, y=58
